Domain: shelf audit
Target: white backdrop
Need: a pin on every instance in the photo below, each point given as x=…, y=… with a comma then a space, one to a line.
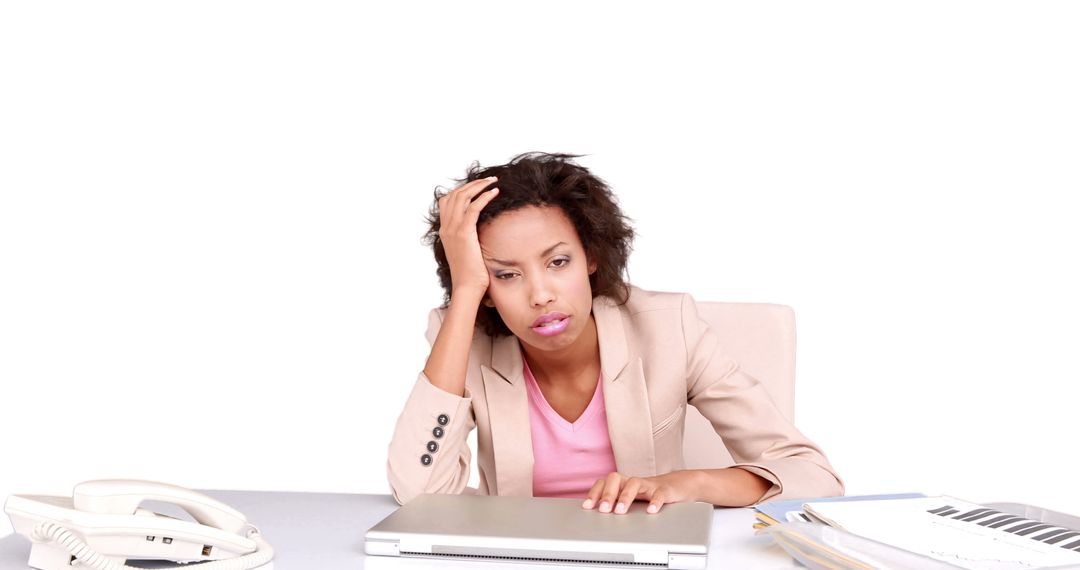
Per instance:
x=210, y=261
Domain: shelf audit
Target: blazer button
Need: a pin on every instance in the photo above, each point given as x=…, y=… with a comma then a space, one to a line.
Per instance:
x=432, y=446
x=425, y=459
x=444, y=419
x=437, y=432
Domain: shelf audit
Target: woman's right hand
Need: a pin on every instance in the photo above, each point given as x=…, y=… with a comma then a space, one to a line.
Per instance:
x=458, y=213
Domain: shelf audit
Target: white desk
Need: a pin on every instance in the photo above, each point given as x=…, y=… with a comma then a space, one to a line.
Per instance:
x=322, y=531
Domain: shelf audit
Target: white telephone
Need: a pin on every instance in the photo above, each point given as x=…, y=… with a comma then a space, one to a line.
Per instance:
x=102, y=525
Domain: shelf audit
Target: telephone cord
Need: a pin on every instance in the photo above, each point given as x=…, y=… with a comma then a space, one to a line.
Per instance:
x=89, y=557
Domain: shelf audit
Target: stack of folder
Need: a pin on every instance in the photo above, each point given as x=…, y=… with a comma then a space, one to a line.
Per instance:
x=912, y=530
x=777, y=512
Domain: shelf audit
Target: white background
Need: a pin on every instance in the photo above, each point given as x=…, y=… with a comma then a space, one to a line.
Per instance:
x=211, y=270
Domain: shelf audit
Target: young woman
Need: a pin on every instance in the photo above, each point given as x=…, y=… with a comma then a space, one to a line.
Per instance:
x=566, y=371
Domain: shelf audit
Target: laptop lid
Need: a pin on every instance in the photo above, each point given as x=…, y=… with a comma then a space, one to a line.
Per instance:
x=528, y=529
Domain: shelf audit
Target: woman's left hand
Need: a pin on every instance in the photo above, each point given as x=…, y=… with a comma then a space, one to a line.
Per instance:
x=615, y=492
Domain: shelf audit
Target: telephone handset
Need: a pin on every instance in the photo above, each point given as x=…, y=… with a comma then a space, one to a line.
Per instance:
x=102, y=525
x=116, y=497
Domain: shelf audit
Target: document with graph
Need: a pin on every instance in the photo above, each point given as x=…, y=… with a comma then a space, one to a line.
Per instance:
x=955, y=531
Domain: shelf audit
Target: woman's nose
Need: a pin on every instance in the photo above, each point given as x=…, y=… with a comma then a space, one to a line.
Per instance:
x=542, y=293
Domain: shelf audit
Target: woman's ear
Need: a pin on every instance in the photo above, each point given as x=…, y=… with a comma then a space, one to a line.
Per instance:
x=592, y=267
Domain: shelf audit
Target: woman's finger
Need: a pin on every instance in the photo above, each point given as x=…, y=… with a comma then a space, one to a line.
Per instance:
x=593, y=496
x=611, y=490
x=659, y=498
x=473, y=210
x=629, y=492
x=461, y=195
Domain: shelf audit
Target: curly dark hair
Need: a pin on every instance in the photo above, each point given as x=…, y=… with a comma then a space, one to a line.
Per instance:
x=543, y=179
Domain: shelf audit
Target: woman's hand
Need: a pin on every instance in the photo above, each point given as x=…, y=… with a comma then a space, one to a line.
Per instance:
x=615, y=492
x=458, y=212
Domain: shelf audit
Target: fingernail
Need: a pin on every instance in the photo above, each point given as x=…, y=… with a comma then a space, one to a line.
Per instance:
x=587, y=504
x=492, y=177
x=605, y=507
x=653, y=508
x=620, y=508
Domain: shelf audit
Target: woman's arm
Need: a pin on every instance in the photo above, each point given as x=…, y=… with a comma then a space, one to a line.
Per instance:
x=413, y=465
x=762, y=441
x=429, y=452
x=458, y=212
x=449, y=357
x=773, y=458
x=731, y=487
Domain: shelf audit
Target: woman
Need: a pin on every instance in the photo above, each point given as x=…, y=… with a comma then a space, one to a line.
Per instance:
x=571, y=376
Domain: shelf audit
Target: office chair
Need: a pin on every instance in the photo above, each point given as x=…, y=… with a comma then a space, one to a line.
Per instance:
x=761, y=338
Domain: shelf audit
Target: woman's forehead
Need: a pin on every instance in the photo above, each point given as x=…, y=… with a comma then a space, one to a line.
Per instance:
x=532, y=229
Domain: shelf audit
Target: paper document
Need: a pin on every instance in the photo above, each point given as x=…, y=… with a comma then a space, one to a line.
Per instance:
x=954, y=531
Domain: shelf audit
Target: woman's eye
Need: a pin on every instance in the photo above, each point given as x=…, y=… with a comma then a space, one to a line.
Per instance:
x=503, y=276
x=561, y=262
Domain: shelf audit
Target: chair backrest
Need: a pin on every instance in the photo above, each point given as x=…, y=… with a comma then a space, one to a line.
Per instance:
x=761, y=338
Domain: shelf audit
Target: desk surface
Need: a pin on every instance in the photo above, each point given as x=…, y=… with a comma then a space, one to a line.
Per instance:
x=326, y=531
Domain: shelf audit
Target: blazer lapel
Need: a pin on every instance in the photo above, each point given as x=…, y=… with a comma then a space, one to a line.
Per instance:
x=626, y=397
x=508, y=410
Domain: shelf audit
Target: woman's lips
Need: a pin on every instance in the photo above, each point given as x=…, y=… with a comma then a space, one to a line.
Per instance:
x=552, y=328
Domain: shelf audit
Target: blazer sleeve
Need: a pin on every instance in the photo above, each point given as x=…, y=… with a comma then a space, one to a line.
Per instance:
x=409, y=471
x=761, y=440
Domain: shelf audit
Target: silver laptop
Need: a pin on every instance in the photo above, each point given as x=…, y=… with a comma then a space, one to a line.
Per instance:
x=559, y=531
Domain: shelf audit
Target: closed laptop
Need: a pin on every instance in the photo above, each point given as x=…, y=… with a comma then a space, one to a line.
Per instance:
x=527, y=529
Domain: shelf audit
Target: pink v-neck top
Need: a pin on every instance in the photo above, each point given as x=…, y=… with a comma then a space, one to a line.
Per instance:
x=568, y=457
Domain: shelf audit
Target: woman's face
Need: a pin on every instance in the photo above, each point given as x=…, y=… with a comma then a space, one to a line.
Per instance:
x=539, y=277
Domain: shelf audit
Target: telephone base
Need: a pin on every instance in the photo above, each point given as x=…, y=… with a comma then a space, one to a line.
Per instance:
x=51, y=556
x=60, y=526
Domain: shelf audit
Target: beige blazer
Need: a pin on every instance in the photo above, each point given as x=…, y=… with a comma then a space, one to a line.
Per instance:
x=656, y=356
